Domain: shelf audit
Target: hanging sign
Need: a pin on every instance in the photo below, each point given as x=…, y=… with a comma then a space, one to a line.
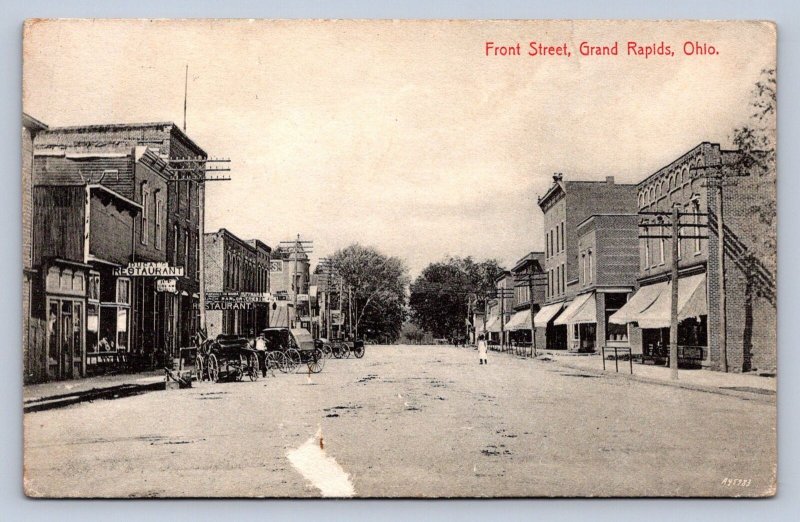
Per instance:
x=167, y=285
x=276, y=266
x=302, y=297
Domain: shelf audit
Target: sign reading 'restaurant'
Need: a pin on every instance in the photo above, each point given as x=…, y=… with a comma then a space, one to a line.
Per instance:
x=149, y=270
x=234, y=300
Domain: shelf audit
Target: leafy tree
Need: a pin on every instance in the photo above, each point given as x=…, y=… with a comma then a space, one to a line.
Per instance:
x=374, y=288
x=756, y=141
x=441, y=295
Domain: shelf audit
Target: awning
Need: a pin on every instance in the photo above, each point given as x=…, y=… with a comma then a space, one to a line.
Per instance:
x=520, y=321
x=582, y=309
x=691, y=303
x=546, y=314
x=643, y=298
x=493, y=325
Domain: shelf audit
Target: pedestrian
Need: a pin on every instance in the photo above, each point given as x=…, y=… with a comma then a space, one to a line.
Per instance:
x=482, y=350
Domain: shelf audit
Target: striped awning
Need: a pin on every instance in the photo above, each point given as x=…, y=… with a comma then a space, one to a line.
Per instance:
x=546, y=314
x=691, y=303
x=582, y=309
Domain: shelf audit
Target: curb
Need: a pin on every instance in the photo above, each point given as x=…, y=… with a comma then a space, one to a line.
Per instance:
x=769, y=398
x=109, y=392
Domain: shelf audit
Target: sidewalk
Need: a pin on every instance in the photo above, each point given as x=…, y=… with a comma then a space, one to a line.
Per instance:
x=76, y=387
x=744, y=385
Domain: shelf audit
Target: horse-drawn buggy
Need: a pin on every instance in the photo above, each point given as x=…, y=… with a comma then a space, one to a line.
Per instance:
x=287, y=348
x=344, y=348
x=228, y=357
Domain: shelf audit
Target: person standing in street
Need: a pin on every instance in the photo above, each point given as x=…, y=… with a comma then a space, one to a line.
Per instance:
x=482, y=350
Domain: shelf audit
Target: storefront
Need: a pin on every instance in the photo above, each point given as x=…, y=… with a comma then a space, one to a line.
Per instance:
x=65, y=305
x=555, y=335
x=108, y=319
x=650, y=310
x=580, y=319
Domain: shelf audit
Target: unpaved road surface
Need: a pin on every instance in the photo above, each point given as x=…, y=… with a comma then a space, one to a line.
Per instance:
x=408, y=421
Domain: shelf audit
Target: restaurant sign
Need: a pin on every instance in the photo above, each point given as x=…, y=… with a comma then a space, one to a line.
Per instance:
x=149, y=270
x=235, y=300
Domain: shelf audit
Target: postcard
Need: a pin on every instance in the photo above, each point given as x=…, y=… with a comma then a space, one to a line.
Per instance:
x=399, y=258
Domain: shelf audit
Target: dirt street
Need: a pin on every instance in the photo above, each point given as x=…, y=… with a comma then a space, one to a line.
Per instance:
x=408, y=421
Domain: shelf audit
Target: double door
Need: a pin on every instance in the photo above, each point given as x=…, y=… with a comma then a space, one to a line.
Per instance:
x=65, y=338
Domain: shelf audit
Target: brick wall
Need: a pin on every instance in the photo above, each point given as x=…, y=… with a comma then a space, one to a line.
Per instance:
x=750, y=278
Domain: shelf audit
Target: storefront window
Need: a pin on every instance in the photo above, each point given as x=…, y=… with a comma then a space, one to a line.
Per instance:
x=122, y=329
x=92, y=327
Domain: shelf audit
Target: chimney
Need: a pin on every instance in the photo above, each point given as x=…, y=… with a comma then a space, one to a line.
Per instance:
x=558, y=177
x=610, y=180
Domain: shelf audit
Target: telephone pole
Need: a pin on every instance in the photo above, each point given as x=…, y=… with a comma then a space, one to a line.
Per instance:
x=534, y=278
x=675, y=236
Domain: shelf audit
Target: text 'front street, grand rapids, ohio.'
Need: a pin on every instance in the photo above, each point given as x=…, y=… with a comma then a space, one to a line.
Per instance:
x=380, y=259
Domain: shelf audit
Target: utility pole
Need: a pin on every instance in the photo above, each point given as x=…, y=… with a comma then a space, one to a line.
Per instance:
x=673, y=323
x=675, y=236
x=197, y=170
x=531, y=279
x=722, y=335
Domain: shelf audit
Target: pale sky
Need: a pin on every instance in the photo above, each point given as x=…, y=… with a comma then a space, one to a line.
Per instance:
x=400, y=135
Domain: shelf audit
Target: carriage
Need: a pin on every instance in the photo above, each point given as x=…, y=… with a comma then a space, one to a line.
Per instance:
x=228, y=357
x=343, y=349
x=287, y=348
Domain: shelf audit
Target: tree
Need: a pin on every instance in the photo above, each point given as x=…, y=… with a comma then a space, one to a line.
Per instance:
x=756, y=143
x=440, y=296
x=373, y=289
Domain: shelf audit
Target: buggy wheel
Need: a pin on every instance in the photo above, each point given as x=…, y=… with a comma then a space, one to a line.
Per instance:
x=280, y=361
x=346, y=350
x=339, y=351
x=238, y=367
x=213, y=368
x=198, y=368
x=293, y=359
x=358, y=351
x=317, y=361
x=327, y=351
x=253, y=368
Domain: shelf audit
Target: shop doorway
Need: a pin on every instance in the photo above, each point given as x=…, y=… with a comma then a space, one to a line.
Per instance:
x=65, y=337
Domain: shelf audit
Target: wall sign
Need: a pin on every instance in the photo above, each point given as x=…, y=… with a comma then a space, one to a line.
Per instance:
x=149, y=270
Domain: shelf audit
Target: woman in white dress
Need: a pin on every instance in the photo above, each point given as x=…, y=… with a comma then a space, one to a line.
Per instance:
x=482, y=350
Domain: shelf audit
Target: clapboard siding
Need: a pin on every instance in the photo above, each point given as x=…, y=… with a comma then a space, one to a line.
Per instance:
x=115, y=173
x=58, y=220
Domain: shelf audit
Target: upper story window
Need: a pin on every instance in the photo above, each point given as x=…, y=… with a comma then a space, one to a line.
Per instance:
x=558, y=249
x=661, y=251
x=145, y=213
x=562, y=236
x=159, y=222
x=123, y=291
x=646, y=253
x=696, y=221
x=589, y=262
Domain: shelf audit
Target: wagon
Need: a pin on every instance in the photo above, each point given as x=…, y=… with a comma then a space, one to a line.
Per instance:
x=342, y=349
x=228, y=357
x=288, y=348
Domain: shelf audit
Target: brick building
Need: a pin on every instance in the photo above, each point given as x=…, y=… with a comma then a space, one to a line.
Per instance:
x=565, y=205
x=750, y=311
x=236, y=282
x=608, y=263
x=527, y=270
